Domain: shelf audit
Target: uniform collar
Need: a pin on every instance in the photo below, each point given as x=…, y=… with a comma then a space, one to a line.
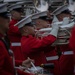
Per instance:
x=28, y=36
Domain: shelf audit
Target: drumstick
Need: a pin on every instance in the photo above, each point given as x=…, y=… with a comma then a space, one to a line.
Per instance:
x=21, y=67
x=33, y=65
x=26, y=69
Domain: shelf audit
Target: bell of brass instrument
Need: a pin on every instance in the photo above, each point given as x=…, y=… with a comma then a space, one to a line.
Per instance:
x=40, y=5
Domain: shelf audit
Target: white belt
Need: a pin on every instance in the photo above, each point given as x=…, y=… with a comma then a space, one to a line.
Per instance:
x=68, y=53
x=52, y=58
x=15, y=44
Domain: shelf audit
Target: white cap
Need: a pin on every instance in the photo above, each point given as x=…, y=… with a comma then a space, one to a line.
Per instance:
x=35, y=16
x=60, y=9
x=24, y=21
x=21, y=3
x=39, y=14
x=15, y=6
x=3, y=7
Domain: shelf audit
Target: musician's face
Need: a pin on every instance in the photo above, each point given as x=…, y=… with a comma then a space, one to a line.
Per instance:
x=29, y=30
x=61, y=16
x=16, y=15
x=67, y=15
x=4, y=24
x=41, y=23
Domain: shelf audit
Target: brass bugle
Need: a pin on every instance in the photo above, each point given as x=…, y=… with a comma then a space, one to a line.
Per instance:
x=63, y=27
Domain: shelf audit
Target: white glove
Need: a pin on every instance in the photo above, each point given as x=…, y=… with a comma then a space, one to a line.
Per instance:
x=55, y=29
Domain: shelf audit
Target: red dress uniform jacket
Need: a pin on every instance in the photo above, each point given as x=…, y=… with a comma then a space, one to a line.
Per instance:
x=66, y=62
x=15, y=38
x=52, y=57
x=72, y=40
x=6, y=65
x=72, y=44
x=66, y=59
x=34, y=48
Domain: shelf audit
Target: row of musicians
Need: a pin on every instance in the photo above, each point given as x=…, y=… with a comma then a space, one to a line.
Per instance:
x=24, y=43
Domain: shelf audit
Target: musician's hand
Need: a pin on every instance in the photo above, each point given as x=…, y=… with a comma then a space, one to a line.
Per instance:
x=27, y=63
x=55, y=26
x=55, y=29
x=22, y=68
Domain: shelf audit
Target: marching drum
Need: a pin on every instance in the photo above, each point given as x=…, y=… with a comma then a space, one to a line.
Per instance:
x=38, y=70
